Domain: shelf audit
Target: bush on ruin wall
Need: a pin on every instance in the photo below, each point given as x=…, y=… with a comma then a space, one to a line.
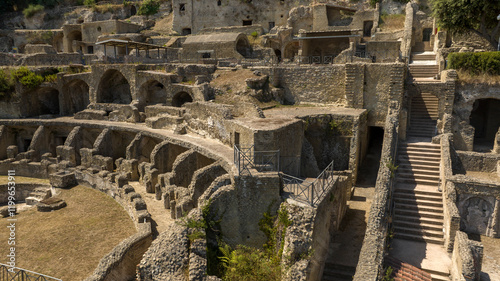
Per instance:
x=476, y=63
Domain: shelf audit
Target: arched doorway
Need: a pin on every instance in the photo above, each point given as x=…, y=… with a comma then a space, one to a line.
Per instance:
x=243, y=47
x=152, y=92
x=186, y=31
x=133, y=10
x=278, y=54
x=485, y=118
x=76, y=94
x=73, y=36
x=181, y=98
x=41, y=101
x=114, y=88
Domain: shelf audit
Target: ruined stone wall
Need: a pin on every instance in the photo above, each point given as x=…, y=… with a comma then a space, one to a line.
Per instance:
x=466, y=95
x=240, y=208
x=466, y=259
x=451, y=215
x=196, y=15
x=311, y=84
x=307, y=239
x=374, y=244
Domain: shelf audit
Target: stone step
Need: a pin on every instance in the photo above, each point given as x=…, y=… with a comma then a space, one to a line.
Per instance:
x=420, y=135
x=442, y=276
x=418, y=181
x=420, y=155
x=31, y=200
x=420, y=144
x=425, y=161
x=338, y=272
x=414, y=206
x=438, y=226
x=419, y=172
x=419, y=232
x=430, y=149
x=404, y=174
x=421, y=238
x=418, y=192
x=411, y=166
x=418, y=220
x=418, y=213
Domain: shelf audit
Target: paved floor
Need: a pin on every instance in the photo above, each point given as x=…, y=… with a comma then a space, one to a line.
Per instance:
x=427, y=256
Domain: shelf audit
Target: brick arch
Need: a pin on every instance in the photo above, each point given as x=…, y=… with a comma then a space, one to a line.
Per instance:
x=180, y=98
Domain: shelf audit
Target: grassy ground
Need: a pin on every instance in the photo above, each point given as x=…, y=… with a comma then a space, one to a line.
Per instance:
x=19, y=179
x=68, y=243
x=466, y=77
x=392, y=22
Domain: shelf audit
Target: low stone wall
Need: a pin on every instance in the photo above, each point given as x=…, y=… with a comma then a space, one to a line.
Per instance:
x=22, y=191
x=370, y=264
x=466, y=259
x=450, y=211
x=476, y=161
x=307, y=239
x=121, y=262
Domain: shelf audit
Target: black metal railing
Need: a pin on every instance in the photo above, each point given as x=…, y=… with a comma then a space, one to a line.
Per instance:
x=247, y=159
x=309, y=192
x=8, y=273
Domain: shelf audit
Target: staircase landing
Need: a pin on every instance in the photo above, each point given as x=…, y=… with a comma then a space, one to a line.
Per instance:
x=431, y=258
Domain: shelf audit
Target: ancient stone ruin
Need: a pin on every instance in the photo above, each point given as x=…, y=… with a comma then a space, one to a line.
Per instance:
x=319, y=131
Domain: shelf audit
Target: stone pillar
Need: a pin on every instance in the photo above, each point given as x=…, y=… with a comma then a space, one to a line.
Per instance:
x=493, y=229
x=496, y=145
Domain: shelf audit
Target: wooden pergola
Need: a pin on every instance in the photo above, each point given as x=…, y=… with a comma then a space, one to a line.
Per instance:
x=129, y=45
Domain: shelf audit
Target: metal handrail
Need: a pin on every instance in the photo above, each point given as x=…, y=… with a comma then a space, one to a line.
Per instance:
x=7, y=273
x=247, y=158
x=313, y=191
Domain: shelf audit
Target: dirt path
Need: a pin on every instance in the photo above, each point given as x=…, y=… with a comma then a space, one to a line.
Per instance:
x=159, y=214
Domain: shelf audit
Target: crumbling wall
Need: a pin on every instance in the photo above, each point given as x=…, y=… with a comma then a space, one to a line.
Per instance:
x=466, y=259
x=374, y=244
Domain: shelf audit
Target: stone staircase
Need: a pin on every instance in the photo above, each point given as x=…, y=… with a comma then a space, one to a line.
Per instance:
x=423, y=115
x=37, y=195
x=338, y=272
x=423, y=65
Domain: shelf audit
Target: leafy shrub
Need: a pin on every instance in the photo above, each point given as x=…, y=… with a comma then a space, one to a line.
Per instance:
x=476, y=63
x=248, y=264
x=6, y=84
x=50, y=78
x=254, y=34
x=89, y=3
x=27, y=77
x=32, y=10
x=149, y=7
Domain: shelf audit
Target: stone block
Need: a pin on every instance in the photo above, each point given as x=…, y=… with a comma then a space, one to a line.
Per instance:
x=102, y=162
x=121, y=180
x=498, y=168
x=12, y=151
x=128, y=189
x=139, y=204
x=63, y=179
x=90, y=114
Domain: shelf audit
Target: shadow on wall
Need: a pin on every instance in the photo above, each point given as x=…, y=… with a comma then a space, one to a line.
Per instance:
x=114, y=88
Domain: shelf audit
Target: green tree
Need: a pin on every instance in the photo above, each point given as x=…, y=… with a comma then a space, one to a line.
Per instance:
x=149, y=7
x=476, y=16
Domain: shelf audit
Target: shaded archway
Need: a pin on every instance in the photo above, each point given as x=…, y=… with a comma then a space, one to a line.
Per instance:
x=243, y=47
x=76, y=93
x=73, y=36
x=114, y=88
x=485, y=118
x=133, y=10
x=181, y=98
x=278, y=54
x=41, y=101
x=152, y=92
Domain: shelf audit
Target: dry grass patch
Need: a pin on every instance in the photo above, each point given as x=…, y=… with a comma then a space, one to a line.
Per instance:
x=68, y=243
x=392, y=22
x=19, y=179
x=467, y=77
x=164, y=25
x=228, y=83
